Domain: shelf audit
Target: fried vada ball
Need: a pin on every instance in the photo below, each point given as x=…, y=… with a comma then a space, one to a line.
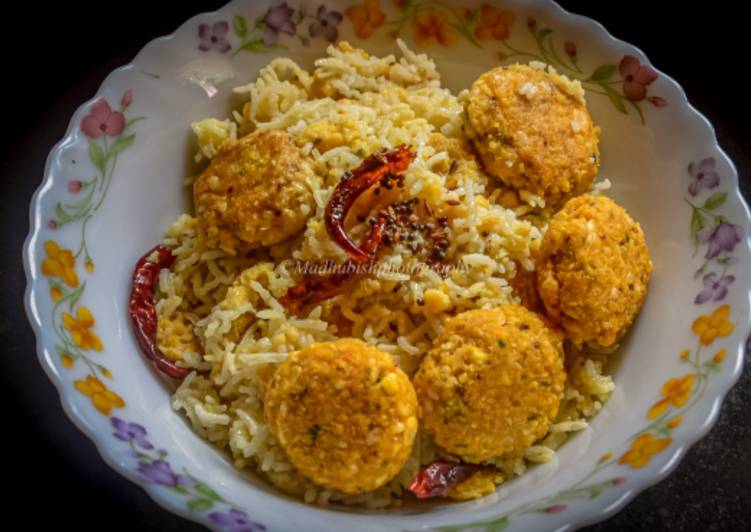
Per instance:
x=492, y=382
x=344, y=413
x=593, y=268
x=532, y=130
x=254, y=193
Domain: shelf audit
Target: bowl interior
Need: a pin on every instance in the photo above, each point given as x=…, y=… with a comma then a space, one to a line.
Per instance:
x=646, y=163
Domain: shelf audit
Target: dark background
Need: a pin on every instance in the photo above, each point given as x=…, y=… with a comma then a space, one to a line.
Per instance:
x=56, y=55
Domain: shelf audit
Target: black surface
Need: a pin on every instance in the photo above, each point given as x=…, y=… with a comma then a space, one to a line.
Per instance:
x=55, y=57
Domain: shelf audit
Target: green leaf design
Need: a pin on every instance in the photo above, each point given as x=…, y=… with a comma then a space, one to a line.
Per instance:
x=62, y=216
x=255, y=45
x=120, y=144
x=75, y=296
x=594, y=492
x=199, y=505
x=602, y=73
x=499, y=524
x=203, y=489
x=715, y=200
x=96, y=154
x=464, y=31
x=637, y=108
x=615, y=98
x=61, y=350
x=544, y=32
x=240, y=26
x=132, y=121
x=698, y=222
x=79, y=206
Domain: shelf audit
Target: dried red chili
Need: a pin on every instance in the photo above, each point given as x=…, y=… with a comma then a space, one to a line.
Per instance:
x=142, y=308
x=438, y=478
x=380, y=166
x=316, y=288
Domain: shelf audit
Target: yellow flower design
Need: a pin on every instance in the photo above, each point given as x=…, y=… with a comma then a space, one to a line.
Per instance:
x=89, y=266
x=365, y=18
x=67, y=361
x=60, y=263
x=642, y=449
x=684, y=354
x=55, y=293
x=711, y=326
x=673, y=423
x=720, y=356
x=431, y=24
x=103, y=399
x=493, y=23
x=675, y=392
x=80, y=329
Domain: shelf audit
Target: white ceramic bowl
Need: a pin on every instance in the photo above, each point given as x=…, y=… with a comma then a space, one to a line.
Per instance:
x=115, y=181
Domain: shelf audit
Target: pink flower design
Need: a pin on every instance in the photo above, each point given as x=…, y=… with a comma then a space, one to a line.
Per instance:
x=52, y=224
x=102, y=119
x=657, y=101
x=127, y=99
x=74, y=186
x=555, y=509
x=618, y=481
x=636, y=77
x=570, y=48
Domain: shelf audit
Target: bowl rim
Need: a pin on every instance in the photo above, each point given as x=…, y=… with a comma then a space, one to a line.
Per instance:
x=669, y=460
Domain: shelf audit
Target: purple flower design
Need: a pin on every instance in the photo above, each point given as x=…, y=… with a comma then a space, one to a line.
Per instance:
x=160, y=472
x=723, y=237
x=130, y=432
x=235, y=521
x=278, y=20
x=704, y=175
x=326, y=24
x=715, y=288
x=214, y=37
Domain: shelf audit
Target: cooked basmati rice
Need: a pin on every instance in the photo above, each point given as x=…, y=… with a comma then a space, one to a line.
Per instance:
x=220, y=314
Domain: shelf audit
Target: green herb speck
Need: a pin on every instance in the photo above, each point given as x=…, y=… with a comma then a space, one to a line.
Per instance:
x=501, y=343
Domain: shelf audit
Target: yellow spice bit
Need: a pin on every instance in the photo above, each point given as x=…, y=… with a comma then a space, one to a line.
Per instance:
x=436, y=301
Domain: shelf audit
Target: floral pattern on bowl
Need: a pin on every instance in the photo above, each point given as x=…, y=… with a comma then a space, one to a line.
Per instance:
x=108, y=390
